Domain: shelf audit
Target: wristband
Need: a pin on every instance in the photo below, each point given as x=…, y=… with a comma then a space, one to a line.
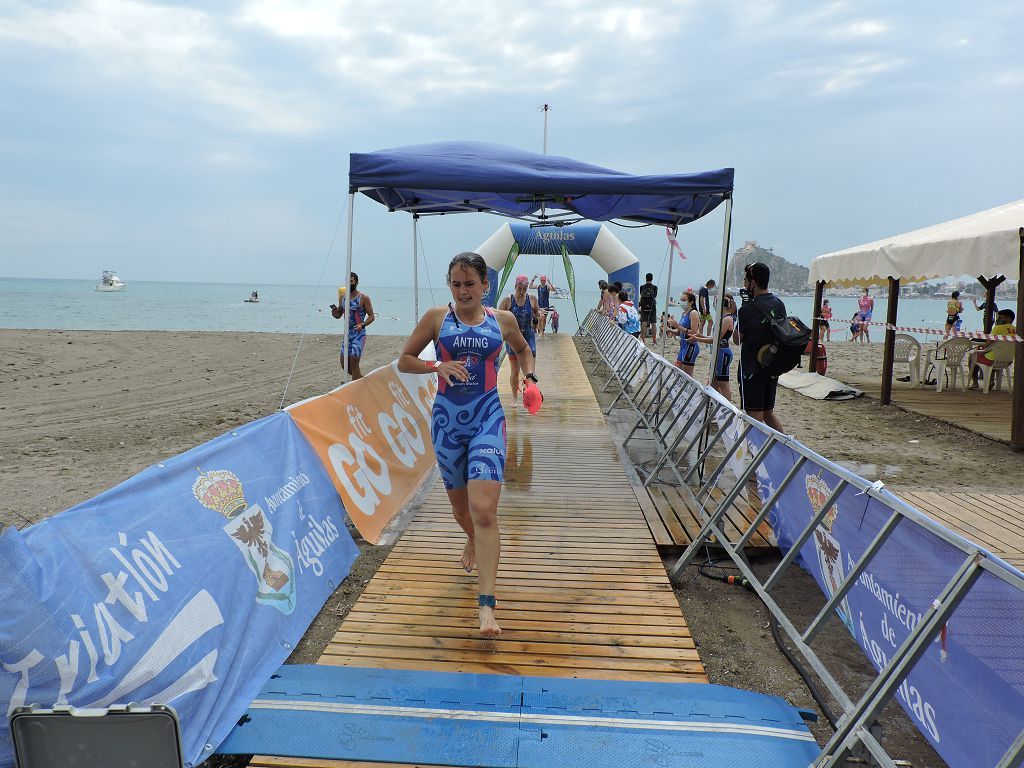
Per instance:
x=434, y=364
x=532, y=378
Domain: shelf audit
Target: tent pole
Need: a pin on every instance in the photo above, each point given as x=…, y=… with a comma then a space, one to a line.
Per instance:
x=668, y=298
x=812, y=360
x=716, y=326
x=415, y=272
x=890, y=340
x=348, y=286
x=1017, y=423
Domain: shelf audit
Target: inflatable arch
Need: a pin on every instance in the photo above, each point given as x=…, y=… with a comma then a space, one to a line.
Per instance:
x=583, y=239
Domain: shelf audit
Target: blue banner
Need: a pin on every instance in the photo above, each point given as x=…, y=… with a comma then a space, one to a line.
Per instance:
x=966, y=694
x=188, y=584
x=629, y=276
x=576, y=239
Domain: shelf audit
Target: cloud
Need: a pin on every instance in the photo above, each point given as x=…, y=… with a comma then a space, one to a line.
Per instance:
x=176, y=51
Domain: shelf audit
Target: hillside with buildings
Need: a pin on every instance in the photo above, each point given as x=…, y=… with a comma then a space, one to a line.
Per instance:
x=787, y=277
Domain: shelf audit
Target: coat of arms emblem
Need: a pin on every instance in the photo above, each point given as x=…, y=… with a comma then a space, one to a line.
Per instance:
x=830, y=552
x=249, y=528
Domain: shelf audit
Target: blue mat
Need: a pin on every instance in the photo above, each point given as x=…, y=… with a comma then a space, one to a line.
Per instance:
x=503, y=721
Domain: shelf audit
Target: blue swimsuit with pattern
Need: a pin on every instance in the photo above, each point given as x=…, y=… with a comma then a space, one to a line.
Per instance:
x=688, y=350
x=524, y=318
x=468, y=425
x=356, y=339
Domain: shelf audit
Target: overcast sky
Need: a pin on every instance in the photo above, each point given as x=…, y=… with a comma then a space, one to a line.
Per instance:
x=210, y=141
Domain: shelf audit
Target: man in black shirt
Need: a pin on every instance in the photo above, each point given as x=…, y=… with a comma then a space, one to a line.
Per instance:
x=757, y=386
x=649, y=309
x=704, y=307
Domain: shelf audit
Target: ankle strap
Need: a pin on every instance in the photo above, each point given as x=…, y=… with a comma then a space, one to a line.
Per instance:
x=487, y=601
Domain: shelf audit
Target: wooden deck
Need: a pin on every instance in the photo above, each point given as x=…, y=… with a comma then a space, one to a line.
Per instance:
x=995, y=521
x=581, y=590
x=675, y=518
x=986, y=414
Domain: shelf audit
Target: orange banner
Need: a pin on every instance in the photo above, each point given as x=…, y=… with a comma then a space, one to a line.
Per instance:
x=373, y=436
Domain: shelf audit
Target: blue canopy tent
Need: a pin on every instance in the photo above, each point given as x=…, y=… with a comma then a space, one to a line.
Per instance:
x=548, y=190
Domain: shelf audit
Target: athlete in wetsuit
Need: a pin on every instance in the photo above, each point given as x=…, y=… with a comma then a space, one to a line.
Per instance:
x=525, y=308
x=468, y=424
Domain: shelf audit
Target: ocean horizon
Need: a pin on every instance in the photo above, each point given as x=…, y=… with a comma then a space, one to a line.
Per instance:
x=66, y=304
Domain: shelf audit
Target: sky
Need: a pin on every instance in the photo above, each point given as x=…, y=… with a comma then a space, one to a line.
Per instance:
x=210, y=141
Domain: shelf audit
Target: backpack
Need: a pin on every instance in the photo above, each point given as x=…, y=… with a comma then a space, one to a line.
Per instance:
x=647, y=303
x=789, y=339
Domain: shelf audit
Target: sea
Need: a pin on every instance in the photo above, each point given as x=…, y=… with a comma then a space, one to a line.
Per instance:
x=165, y=306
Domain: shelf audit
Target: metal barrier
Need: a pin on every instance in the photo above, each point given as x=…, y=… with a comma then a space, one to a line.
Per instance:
x=707, y=443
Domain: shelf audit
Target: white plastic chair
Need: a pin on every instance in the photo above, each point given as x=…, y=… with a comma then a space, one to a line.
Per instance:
x=949, y=359
x=908, y=350
x=1002, y=353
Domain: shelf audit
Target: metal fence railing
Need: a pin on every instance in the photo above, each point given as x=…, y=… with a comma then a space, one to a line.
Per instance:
x=940, y=618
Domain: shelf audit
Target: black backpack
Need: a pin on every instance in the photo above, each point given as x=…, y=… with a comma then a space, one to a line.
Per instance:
x=789, y=339
x=647, y=303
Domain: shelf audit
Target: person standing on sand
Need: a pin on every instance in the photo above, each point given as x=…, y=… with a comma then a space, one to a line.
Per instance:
x=649, y=309
x=866, y=306
x=360, y=315
x=757, y=386
x=686, y=328
x=825, y=319
x=723, y=361
x=524, y=307
x=954, y=308
x=704, y=307
x=468, y=423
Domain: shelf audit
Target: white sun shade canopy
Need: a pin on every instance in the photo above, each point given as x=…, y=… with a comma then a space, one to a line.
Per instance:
x=984, y=244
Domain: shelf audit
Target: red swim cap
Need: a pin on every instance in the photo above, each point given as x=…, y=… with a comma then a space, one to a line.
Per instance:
x=532, y=398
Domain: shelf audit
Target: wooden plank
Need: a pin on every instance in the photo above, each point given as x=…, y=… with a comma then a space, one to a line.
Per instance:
x=582, y=592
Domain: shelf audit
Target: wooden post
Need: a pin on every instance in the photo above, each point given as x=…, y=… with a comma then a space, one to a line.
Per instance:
x=990, y=298
x=890, y=340
x=1017, y=417
x=812, y=362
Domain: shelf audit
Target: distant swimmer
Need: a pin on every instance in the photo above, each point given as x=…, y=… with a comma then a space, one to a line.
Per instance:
x=468, y=423
x=361, y=314
x=526, y=311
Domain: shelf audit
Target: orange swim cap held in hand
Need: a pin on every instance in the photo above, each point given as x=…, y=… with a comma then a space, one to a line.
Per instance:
x=532, y=397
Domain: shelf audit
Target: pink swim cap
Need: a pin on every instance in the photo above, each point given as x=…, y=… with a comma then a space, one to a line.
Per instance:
x=532, y=398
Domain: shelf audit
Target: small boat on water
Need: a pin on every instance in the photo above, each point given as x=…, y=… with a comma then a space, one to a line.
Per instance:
x=254, y=298
x=109, y=281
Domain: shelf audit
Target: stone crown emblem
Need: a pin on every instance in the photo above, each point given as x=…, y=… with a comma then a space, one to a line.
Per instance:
x=221, y=491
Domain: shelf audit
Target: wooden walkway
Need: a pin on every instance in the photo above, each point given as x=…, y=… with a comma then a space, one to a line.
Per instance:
x=581, y=590
x=986, y=414
x=994, y=521
x=675, y=517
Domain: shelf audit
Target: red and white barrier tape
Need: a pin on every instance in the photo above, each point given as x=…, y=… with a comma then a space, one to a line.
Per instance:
x=960, y=334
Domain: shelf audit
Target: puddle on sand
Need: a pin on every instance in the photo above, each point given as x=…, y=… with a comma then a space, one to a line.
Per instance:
x=872, y=471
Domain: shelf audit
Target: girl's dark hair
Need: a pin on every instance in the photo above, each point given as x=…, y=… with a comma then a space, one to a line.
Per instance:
x=469, y=260
x=692, y=299
x=956, y=294
x=602, y=284
x=353, y=276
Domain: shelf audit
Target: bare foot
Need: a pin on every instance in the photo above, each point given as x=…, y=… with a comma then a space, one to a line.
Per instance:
x=469, y=556
x=488, y=624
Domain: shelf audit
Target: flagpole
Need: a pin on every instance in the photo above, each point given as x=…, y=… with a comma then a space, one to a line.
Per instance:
x=668, y=292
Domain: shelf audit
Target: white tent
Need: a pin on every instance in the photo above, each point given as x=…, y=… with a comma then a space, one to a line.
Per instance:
x=986, y=243
x=989, y=245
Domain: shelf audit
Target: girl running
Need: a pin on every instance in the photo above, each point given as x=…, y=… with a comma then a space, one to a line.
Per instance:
x=468, y=425
x=526, y=310
x=953, y=309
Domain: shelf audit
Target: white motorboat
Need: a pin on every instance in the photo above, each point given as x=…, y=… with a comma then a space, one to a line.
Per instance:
x=110, y=282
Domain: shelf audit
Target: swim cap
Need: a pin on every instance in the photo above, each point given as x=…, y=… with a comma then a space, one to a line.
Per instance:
x=522, y=279
x=532, y=398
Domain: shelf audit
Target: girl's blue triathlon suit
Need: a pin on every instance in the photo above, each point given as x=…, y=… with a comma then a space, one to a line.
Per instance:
x=356, y=339
x=725, y=354
x=688, y=350
x=468, y=425
x=524, y=318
